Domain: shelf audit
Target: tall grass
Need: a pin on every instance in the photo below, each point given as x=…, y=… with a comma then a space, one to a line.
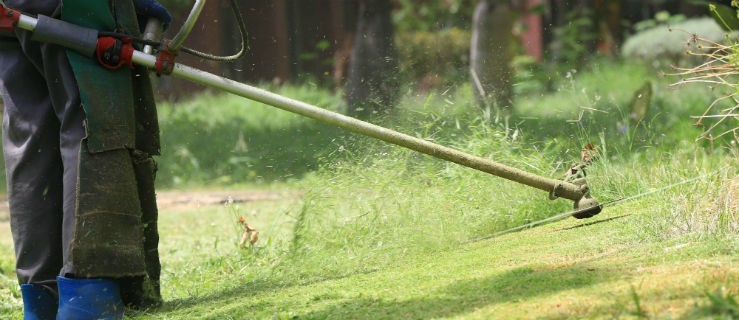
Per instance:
x=369, y=204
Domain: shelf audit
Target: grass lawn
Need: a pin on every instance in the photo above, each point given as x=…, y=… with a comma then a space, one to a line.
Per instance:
x=597, y=268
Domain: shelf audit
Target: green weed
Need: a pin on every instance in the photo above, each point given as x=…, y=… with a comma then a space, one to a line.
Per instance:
x=638, y=311
x=721, y=304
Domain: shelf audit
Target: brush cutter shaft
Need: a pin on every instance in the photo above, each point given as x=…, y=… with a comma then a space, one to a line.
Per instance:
x=556, y=188
x=560, y=188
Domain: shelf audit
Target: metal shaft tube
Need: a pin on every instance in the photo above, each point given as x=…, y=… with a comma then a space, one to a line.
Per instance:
x=559, y=188
x=555, y=187
x=563, y=189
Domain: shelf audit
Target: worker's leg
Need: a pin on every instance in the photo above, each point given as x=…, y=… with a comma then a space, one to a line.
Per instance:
x=70, y=116
x=42, y=131
x=33, y=167
x=43, y=125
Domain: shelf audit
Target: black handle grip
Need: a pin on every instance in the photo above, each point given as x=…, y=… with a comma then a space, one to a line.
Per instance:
x=71, y=36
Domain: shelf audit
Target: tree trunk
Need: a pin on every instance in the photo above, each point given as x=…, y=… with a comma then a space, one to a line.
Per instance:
x=608, y=22
x=372, y=84
x=491, y=54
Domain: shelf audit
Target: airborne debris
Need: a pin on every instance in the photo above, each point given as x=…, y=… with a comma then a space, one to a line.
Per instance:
x=588, y=154
x=250, y=233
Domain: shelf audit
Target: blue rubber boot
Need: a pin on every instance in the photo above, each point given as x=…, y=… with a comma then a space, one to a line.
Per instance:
x=38, y=303
x=89, y=299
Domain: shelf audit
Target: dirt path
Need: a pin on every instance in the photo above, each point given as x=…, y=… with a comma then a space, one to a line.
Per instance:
x=169, y=200
x=194, y=199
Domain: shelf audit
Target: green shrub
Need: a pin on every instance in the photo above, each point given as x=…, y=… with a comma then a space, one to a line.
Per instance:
x=572, y=42
x=663, y=45
x=595, y=103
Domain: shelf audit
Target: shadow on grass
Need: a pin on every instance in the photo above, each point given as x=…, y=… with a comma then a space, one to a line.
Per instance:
x=457, y=299
x=244, y=290
x=595, y=222
x=468, y=295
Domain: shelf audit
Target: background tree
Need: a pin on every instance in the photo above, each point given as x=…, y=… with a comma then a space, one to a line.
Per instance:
x=372, y=86
x=491, y=54
x=311, y=41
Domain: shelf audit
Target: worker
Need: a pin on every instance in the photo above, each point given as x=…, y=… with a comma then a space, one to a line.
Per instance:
x=78, y=141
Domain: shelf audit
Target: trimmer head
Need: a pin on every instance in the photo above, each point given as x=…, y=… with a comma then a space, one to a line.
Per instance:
x=586, y=207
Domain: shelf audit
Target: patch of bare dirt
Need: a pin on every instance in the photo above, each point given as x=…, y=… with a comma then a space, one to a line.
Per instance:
x=196, y=199
x=168, y=200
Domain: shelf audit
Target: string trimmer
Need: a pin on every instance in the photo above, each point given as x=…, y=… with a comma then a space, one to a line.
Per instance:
x=114, y=51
